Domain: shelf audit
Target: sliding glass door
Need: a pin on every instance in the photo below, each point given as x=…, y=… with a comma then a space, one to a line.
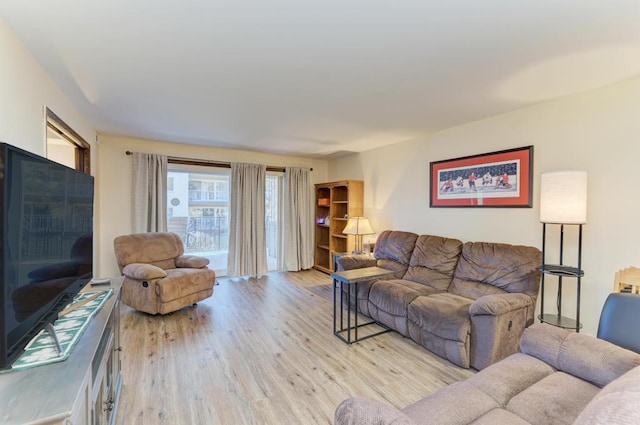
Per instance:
x=198, y=211
x=273, y=220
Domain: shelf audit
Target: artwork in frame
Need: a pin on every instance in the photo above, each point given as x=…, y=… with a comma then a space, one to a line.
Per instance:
x=494, y=179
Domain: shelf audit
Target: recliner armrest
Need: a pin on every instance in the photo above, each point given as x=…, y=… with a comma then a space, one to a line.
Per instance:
x=497, y=304
x=191, y=261
x=140, y=271
x=355, y=261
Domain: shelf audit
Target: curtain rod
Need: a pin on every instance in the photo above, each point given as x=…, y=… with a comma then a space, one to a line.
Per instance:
x=209, y=163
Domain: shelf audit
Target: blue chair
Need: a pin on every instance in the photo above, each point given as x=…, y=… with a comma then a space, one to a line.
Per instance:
x=620, y=321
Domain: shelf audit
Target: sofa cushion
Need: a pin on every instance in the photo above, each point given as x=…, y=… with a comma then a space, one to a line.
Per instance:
x=393, y=250
x=457, y=404
x=394, y=296
x=504, y=380
x=389, y=299
x=617, y=403
x=557, y=399
x=583, y=356
x=441, y=323
x=500, y=417
x=443, y=315
x=433, y=261
x=491, y=268
x=543, y=342
x=595, y=360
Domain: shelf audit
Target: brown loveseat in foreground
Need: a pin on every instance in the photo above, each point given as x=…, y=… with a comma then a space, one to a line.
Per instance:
x=467, y=302
x=558, y=378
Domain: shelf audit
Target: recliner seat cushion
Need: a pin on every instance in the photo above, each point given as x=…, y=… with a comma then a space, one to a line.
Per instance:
x=389, y=299
x=441, y=323
x=393, y=296
x=183, y=282
x=443, y=315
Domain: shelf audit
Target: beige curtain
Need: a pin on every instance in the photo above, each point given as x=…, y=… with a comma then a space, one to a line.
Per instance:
x=247, y=239
x=149, y=193
x=298, y=239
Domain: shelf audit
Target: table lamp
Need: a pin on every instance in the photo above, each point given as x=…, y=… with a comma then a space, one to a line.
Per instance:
x=358, y=226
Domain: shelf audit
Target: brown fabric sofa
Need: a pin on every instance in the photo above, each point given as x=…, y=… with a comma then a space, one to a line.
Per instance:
x=467, y=302
x=158, y=277
x=559, y=377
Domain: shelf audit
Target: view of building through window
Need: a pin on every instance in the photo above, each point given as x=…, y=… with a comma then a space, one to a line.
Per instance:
x=198, y=211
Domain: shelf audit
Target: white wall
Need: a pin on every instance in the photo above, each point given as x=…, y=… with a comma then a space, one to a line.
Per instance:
x=115, y=181
x=25, y=90
x=597, y=131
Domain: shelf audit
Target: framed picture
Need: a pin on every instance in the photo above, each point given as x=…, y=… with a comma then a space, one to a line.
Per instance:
x=494, y=179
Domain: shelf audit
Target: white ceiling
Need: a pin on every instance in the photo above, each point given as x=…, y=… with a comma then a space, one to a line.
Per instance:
x=320, y=77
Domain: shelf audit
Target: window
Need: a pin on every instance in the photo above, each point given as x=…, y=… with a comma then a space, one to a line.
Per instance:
x=273, y=220
x=65, y=146
x=208, y=188
x=198, y=210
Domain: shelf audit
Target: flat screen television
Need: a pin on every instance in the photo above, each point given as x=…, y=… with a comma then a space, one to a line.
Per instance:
x=46, y=257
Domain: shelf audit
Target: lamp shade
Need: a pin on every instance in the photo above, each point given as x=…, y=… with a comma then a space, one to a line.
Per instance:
x=358, y=226
x=563, y=197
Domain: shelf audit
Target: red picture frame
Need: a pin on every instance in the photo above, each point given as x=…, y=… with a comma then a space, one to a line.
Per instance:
x=494, y=179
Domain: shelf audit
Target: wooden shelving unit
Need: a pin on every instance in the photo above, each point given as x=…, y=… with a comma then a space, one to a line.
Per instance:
x=335, y=203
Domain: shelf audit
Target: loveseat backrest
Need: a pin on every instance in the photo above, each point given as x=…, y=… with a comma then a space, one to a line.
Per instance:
x=159, y=249
x=586, y=357
x=393, y=250
x=433, y=261
x=493, y=268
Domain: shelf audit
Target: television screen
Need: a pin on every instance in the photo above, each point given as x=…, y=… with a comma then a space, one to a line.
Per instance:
x=47, y=237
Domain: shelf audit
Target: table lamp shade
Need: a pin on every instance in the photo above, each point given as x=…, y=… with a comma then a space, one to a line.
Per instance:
x=358, y=226
x=563, y=197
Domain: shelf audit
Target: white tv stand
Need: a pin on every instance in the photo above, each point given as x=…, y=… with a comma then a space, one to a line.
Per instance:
x=82, y=390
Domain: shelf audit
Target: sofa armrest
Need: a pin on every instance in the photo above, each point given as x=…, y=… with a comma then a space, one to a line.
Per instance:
x=498, y=304
x=191, y=261
x=350, y=262
x=497, y=322
x=139, y=271
x=361, y=410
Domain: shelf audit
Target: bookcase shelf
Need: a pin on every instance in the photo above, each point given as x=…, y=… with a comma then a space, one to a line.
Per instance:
x=345, y=199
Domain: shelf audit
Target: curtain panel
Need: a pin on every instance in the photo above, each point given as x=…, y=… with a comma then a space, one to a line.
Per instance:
x=298, y=229
x=149, y=193
x=247, y=234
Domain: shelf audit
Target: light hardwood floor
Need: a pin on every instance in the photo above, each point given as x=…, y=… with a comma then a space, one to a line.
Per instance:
x=262, y=351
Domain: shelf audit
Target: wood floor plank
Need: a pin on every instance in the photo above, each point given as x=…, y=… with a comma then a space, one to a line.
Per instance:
x=261, y=351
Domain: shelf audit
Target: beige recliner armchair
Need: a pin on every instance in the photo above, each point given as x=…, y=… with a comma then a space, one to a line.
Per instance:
x=158, y=277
